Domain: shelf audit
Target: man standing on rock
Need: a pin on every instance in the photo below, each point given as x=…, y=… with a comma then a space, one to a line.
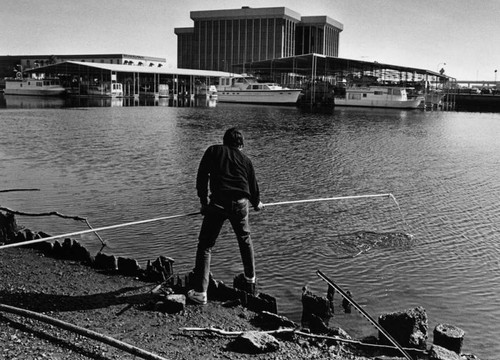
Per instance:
x=230, y=175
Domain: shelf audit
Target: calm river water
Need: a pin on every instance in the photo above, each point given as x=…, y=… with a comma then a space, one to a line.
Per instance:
x=121, y=164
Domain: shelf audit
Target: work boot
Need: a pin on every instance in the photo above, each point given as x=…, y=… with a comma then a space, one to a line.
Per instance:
x=197, y=297
x=241, y=282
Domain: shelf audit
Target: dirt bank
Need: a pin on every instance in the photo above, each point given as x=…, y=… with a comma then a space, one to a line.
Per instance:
x=119, y=307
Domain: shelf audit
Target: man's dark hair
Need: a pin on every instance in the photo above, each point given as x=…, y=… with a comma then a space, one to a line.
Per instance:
x=233, y=137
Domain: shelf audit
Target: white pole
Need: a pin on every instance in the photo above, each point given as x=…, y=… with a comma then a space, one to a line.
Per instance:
x=327, y=199
x=342, y=198
x=94, y=230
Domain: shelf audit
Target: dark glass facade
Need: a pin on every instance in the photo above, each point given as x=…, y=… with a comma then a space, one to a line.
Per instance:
x=222, y=38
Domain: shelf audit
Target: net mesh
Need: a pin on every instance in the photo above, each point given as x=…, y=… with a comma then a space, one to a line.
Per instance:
x=359, y=242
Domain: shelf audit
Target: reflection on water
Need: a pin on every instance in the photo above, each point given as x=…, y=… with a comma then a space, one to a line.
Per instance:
x=31, y=102
x=41, y=102
x=128, y=163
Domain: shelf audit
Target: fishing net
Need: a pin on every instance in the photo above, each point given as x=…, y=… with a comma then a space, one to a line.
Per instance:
x=359, y=242
x=349, y=230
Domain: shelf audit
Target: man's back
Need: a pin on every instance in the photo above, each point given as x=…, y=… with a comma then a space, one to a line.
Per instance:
x=229, y=171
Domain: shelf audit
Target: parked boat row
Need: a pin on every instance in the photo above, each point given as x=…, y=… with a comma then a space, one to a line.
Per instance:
x=237, y=89
x=53, y=87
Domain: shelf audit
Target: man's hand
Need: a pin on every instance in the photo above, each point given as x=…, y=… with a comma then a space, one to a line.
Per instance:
x=259, y=206
x=204, y=205
x=203, y=209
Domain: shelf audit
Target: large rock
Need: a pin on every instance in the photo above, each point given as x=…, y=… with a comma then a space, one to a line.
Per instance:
x=262, y=302
x=316, y=312
x=8, y=227
x=127, y=266
x=255, y=342
x=160, y=270
x=105, y=262
x=440, y=353
x=172, y=303
x=80, y=253
x=408, y=328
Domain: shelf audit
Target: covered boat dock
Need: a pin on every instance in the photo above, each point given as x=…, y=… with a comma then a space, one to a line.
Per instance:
x=322, y=76
x=95, y=79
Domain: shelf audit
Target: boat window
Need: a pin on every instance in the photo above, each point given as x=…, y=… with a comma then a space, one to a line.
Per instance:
x=39, y=83
x=378, y=93
x=396, y=92
x=355, y=96
x=364, y=95
x=389, y=91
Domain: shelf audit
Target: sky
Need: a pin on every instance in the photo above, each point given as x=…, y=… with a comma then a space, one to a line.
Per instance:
x=426, y=34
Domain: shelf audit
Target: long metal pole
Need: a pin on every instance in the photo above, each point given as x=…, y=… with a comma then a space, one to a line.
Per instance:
x=328, y=199
x=94, y=230
x=131, y=349
x=364, y=313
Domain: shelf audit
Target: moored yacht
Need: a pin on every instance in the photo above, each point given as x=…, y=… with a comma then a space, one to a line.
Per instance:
x=247, y=89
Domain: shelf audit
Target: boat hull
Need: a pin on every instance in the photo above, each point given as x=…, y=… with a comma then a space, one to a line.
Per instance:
x=46, y=92
x=282, y=97
x=398, y=104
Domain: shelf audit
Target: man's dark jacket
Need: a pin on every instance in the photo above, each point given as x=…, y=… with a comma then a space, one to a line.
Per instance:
x=230, y=174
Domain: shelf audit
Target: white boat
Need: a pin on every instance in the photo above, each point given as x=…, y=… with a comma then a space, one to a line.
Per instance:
x=378, y=96
x=209, y=92
x=36, y=87
x=113, y=89
x=248, y=90
x=163, y=91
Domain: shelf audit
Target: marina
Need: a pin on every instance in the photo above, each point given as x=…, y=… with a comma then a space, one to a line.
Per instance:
x=308, y=80
x=122, y=164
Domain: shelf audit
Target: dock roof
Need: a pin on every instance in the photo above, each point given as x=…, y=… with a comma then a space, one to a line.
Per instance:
x=77, y=66
x=330, y=65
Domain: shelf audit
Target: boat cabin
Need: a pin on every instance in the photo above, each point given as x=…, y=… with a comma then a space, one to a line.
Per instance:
x=369, y=93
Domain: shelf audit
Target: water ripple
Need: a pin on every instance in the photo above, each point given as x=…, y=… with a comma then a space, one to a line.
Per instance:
x=116, y=165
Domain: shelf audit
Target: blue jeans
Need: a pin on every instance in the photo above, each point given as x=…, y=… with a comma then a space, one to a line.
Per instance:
x=217, y=212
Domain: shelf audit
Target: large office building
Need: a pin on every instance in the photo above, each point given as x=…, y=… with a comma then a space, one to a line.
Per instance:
x=221, y=39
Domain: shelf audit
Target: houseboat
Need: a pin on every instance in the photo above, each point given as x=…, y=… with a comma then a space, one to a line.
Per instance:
x=34, y=87
x=378, y=96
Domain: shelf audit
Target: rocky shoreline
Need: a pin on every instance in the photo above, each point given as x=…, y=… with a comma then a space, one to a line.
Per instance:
x=147, y=309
